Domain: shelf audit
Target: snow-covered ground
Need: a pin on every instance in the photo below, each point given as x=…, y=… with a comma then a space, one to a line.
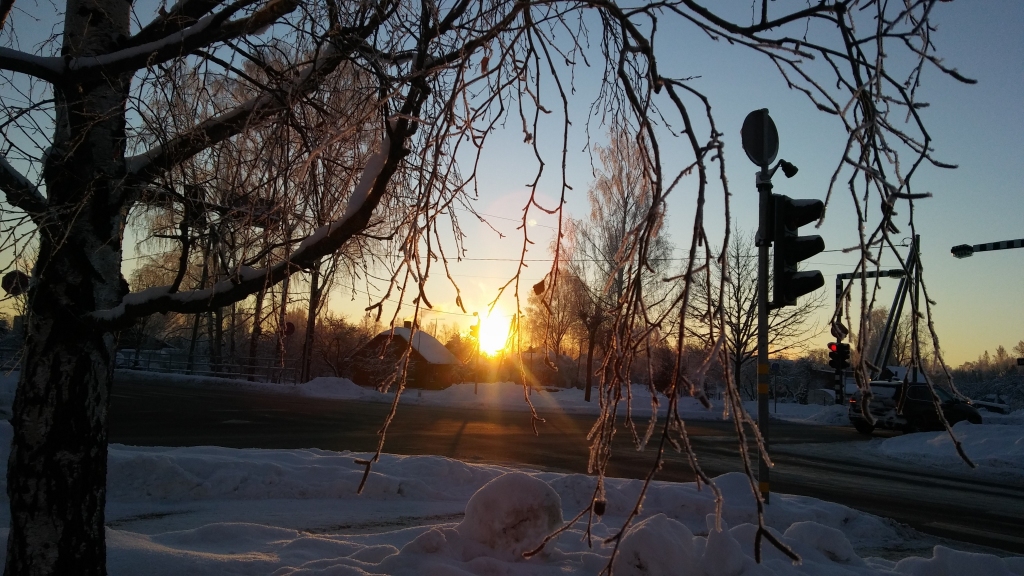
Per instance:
x=212, y=510
x=996, y=450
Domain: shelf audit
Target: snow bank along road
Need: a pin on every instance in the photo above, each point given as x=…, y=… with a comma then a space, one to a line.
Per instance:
x=943, y=504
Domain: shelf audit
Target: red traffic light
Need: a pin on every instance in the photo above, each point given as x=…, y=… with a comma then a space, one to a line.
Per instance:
x=832, y=346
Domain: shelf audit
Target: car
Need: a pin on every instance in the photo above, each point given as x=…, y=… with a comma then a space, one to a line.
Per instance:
x=909, y=408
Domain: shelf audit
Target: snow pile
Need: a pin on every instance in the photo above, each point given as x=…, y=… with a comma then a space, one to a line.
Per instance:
x=657, y=545
x=504, y=527
x=1016, y=418
x=212, y=511
x=340, y=389
x=993, y=447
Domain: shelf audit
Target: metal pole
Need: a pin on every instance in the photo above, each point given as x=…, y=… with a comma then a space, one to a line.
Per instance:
x=764, y=188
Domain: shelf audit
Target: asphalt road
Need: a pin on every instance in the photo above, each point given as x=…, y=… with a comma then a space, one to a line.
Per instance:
x=983, y=513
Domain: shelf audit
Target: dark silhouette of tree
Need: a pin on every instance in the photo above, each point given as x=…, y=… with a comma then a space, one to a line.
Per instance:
x=736, y=308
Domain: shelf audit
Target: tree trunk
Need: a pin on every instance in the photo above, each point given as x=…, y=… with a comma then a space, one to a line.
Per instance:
x=282, y=322
x=737, y=376
x=590, y=364
x=314, y=305
x=195, y=326
x=232, y=352
x=257, y=332
x=56, y=473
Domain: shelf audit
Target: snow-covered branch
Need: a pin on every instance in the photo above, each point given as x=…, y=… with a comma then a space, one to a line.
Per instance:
x=246, y=281
x=145, y=166
x=42, y=67
x=178, y=17
x=19, y=190
x=206, y=31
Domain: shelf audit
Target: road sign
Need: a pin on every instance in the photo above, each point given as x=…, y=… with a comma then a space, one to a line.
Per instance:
x=760, y=137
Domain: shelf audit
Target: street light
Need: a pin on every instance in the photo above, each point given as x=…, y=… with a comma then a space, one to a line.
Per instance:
x=966, y=250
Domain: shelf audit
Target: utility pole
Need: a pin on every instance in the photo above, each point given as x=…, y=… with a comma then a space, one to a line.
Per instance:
x=779, y=217
x=475, y=331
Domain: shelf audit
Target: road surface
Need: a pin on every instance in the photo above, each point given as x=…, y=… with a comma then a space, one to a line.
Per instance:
x=148, y=414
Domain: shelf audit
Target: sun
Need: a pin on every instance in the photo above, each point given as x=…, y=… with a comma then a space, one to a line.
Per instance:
x=493, y=333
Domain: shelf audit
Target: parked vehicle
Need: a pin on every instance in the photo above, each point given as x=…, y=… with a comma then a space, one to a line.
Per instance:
x=909, y=408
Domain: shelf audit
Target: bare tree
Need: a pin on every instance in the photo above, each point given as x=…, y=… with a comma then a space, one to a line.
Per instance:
x=736, y=308
x=552, y=314
x=614, y=261
x=440, y=77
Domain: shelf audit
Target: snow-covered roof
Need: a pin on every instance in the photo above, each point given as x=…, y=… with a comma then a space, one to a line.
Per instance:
x=429, y=347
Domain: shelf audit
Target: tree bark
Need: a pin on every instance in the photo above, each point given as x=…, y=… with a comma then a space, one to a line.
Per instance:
x=56, y=474
x=282, y=322
x=590, y=364
x=314, y=305
x=256, y=334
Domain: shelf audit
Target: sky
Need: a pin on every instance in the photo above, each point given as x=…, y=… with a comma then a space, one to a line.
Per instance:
x=977, y=127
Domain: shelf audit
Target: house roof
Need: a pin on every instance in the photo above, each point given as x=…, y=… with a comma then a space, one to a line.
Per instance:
x=429, y=347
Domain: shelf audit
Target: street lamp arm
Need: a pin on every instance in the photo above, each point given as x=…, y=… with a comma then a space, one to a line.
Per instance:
x=966, y=250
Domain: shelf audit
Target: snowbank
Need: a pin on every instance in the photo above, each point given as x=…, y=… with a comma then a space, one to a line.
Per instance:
x=997, y=448
x=213, y=511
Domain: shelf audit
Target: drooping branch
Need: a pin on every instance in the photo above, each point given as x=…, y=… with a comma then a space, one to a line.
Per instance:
x=366, y=196
x=146, y=166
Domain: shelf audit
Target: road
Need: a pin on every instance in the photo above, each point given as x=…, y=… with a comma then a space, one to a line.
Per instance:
x=983, y=513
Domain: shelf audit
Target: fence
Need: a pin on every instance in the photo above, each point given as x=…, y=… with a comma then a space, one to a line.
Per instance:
x=174, y=361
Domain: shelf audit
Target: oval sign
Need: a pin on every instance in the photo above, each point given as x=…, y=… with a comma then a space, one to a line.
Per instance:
x=760, y=137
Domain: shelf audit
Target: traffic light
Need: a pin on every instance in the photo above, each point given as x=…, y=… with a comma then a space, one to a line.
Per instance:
x=790, y=249
x=839, y=355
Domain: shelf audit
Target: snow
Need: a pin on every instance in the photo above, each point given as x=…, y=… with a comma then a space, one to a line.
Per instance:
x=657, y=545
x=508, y=396
x=429, y=347
x=498, y=526
x=997, y=448
x=212, y=511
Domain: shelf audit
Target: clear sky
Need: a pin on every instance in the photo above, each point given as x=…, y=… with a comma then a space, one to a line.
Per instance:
x=978, y=303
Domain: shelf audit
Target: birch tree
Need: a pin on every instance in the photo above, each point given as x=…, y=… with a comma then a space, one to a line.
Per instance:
x=440, y=78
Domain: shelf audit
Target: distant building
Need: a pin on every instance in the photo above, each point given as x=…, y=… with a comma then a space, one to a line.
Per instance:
x=431, y=365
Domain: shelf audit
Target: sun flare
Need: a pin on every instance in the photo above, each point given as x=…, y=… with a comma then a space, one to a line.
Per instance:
x=493, y=332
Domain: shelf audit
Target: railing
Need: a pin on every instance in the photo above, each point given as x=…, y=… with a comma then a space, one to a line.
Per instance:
x=177, y=362
x=173, y=361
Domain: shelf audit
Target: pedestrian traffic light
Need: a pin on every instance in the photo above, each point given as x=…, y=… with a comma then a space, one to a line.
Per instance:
x=791, y=249
x=839, y=355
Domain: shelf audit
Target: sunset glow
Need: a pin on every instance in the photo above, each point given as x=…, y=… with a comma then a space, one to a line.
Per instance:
x=493, y=332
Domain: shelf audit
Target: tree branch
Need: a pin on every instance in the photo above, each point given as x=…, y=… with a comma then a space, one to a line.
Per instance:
x=206, y=31
x=146, y=166
x=20, y=192
x=42, y=67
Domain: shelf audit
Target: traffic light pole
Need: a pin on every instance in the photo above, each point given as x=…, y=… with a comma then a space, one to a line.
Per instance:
x=764, y=189
x=779, y=218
